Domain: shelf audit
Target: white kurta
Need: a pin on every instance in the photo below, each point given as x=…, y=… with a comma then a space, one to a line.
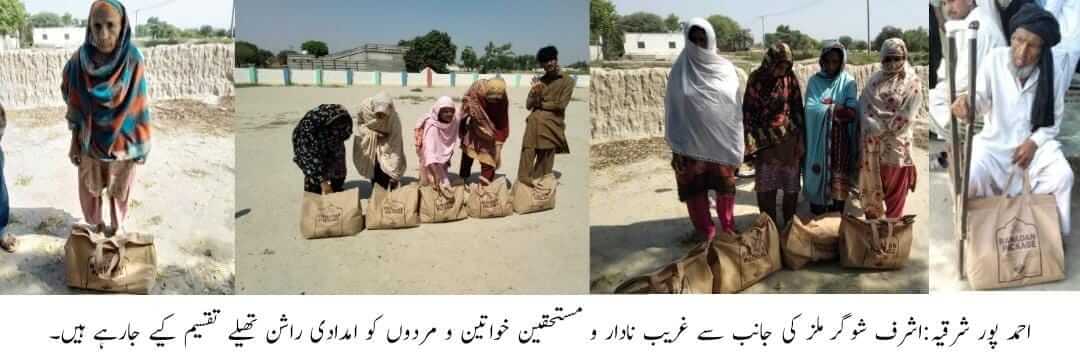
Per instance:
x=990, y=36
x=1005, y=107
x=1067, y=13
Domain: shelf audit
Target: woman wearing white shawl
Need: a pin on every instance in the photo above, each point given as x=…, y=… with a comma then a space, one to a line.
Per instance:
x=703, y=127
x=378, y=151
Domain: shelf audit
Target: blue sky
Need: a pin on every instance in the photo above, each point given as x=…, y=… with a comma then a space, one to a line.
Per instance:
x=821, y=19
x=342, y=24
x=182, y=13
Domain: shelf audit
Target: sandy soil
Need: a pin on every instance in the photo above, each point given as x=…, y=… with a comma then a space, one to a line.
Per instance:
x=542, y=253
x=183, y=196
x=637, y=221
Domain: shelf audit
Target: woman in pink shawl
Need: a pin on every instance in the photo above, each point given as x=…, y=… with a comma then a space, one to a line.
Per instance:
x=438, y=135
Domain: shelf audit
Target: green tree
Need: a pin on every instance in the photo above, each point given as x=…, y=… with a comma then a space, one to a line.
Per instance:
x=846, y=41
x=889, y=32
x=917, y=40
x=728, y=33
x=525, y=62
x=496, y=58
x=12, y=16
x=604, y=25
x=246, y=54
x=46, y=19
x=602, y=19
x=67, y=20
x=315, y=48
x=263, y=57
x=206, y=31
x=469, y=59
x=642, y=22
x=859, y=45
x=794, y=38
x=672, y=23
x=434, y=49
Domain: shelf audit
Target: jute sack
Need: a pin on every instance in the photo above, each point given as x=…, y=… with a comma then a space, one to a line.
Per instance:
x=539, y=197
x=491, y=201
x=746, y=258
x=394, y=208
x=811, y=241
x=883, y=244
x=331, y=215
x=437, y=208
x=688, y=275
x=124, y=264
x=1014, y=242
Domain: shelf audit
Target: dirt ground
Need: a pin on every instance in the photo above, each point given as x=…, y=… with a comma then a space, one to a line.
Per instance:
x=541, y=253
x=183, y=196
x=637, y=221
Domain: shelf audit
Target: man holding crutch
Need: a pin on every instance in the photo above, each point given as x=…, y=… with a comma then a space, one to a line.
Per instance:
x=1019, y=94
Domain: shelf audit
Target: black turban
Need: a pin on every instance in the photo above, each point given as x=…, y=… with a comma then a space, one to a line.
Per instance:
x=1036, y=20
x=546, y=54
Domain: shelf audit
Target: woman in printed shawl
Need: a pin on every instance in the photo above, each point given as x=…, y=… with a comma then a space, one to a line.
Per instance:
x=832, y=156
x=773, y=119
x=484, y=129
x=887, y=107
x=319, y=148
x=108, y=112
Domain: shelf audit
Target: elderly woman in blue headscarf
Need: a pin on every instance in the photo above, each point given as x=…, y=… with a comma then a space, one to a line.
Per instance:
x=108, y=112
x=832, y=142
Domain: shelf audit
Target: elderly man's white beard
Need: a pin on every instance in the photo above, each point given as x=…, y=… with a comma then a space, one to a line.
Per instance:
x=1021, y=73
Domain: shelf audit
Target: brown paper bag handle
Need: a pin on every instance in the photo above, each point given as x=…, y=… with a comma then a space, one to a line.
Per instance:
x=1026, y=180
x=100, y=268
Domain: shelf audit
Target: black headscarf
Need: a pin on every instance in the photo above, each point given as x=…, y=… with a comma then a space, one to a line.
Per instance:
x=1042, y=23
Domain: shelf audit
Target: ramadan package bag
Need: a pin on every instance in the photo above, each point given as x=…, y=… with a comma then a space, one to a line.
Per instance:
x=437, y=207
x=741, y=260
x=1016, y=242
x=811, y=241
x=691, y=274
x=331, y=215
x=125, y=263
x=490, y=201
x=883, y=244
x=394, y=208
x=538, y=197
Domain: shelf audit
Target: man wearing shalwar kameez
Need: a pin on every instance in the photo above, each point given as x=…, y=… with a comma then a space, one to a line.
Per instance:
x=1019, y=96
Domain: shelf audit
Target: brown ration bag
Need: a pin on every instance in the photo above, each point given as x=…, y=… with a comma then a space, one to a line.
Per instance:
x=394, y=208
x=1015, y=242
x=746, y=258
x=437, y=208
x=331, y=215
x=491, y=201
x=811, y=241
x=883, y=244
x=123, y=264
x=539, y=197
x=689, y=275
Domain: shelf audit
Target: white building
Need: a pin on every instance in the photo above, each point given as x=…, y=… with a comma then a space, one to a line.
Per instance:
x=65, y=37
x=653, y=46
x=596, y=53
x=9, y=41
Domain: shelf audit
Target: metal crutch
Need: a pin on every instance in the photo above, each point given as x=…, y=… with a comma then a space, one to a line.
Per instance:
x=954, y=143
x=973, y=30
